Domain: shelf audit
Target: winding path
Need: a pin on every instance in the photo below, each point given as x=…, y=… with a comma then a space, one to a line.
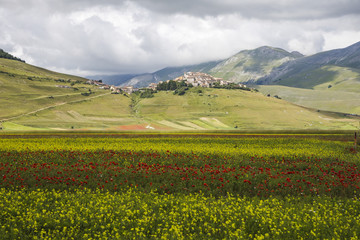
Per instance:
x=52, y=106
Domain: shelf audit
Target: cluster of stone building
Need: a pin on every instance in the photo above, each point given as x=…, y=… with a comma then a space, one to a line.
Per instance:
x=198, y=79
x=112, y=88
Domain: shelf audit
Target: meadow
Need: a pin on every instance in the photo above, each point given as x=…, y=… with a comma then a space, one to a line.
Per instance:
x=329, y=88
x=179, y=186
x=37, y=99
x=212, y=109
x=323, y=99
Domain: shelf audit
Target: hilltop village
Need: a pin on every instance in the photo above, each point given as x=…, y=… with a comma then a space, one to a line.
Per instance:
x=193, y=79
x=198, y=79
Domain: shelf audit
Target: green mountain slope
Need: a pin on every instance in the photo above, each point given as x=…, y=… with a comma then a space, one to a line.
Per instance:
x=100, y=112
x=329, y=77
x=22, y=69
x=293, y=72
x=229, y=109
x=250, y=65
x=25, y=88
x=328, y=80
x=323, y=99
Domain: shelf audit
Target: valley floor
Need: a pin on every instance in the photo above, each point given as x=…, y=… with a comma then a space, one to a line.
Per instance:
x=208, y=109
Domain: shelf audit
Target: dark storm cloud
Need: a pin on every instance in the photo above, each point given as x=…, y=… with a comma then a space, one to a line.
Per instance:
x=262, y=9
x=112, y=36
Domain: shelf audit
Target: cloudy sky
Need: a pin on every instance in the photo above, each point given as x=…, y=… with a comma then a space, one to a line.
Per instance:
x=87, y=37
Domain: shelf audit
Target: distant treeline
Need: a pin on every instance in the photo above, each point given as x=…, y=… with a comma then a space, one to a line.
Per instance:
x=6, y=55
x=230, y=86
x=171, y=85
x=180, y=87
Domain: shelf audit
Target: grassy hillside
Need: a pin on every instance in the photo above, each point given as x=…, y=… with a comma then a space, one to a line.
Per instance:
x=332, y=78
x=23, y=69
x=330, y=88
x=25, y=89
x=323, y=99
x=233, y=109
x=105, y=111
x=211, y=109
x=36, y=99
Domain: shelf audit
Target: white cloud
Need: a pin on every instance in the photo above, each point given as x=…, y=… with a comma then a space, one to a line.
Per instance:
x=91, y=37
x=340, y=39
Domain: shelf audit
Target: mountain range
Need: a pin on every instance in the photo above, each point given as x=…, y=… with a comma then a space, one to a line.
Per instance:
x=262, y=66
x=250, y=65
x=328, y=80
x=290, y=72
